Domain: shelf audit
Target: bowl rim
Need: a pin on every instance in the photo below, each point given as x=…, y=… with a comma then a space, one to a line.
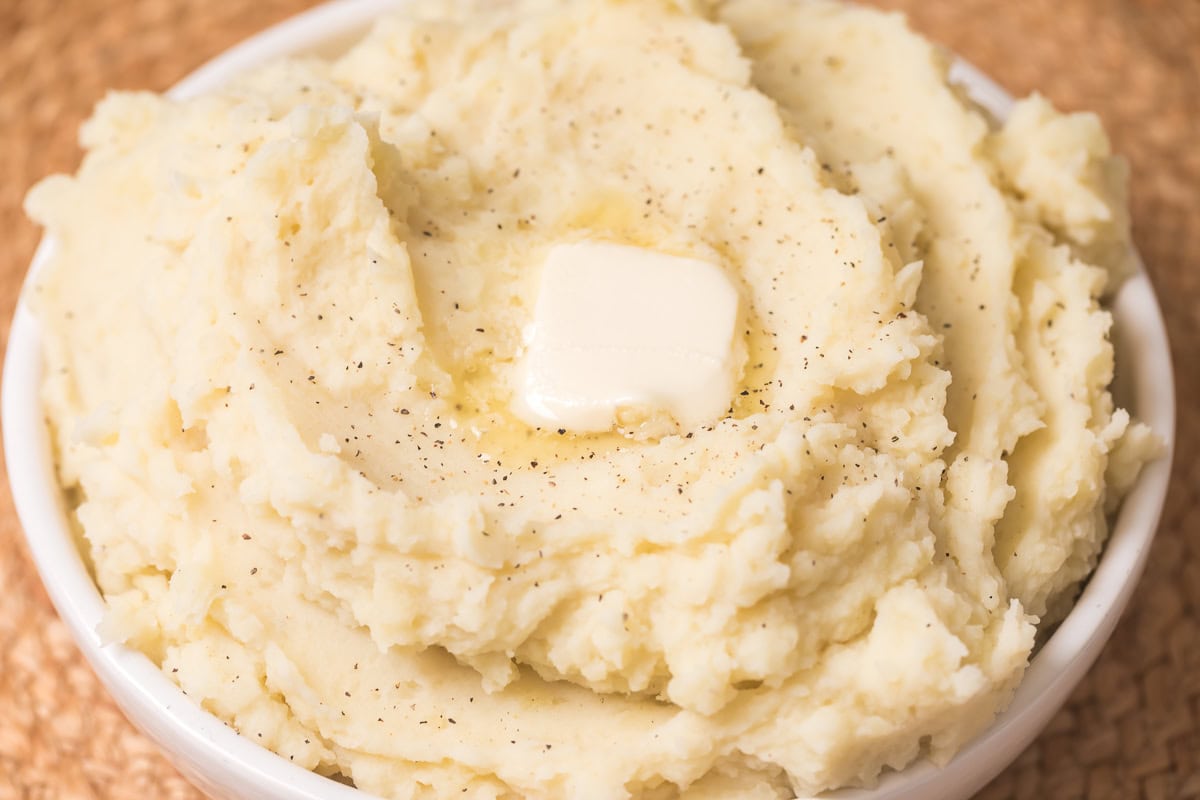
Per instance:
x=200, y=743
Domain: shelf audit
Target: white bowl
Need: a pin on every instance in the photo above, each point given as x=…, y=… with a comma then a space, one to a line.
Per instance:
x=230, y=767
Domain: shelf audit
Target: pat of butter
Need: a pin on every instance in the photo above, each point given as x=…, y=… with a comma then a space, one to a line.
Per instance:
x=624, y=327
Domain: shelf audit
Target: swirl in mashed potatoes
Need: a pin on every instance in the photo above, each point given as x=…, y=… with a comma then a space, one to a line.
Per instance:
x=282, y=329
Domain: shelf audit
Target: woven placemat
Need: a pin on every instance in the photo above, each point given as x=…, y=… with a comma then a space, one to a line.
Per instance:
x=1131, y=730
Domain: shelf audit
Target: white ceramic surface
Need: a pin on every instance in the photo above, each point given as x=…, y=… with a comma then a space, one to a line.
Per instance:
x=230, y=767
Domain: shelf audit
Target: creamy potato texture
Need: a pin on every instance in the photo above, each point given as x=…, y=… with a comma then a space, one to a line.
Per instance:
x=282, y=324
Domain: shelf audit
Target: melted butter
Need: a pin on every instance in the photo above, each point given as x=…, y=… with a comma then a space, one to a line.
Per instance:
x=618, y=328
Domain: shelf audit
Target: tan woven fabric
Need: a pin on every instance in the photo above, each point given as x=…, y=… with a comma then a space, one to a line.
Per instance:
x=1131, y=730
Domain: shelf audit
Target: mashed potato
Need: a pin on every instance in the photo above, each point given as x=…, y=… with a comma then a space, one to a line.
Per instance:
x=283, y=323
